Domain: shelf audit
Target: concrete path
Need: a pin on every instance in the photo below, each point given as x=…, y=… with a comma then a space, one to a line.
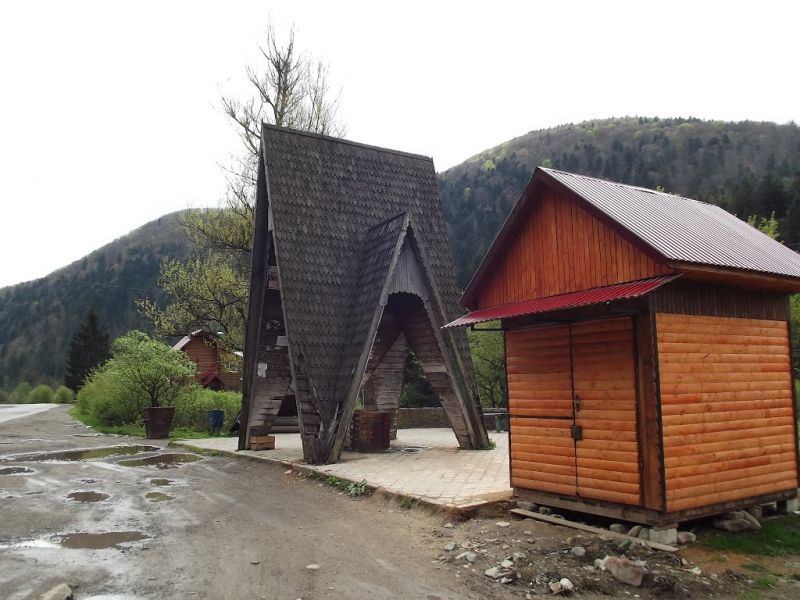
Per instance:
x=425, y=464
x=17, y=411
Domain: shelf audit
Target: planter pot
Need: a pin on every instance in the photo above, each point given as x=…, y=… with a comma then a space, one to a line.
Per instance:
x=370, y=431
x=158, y=421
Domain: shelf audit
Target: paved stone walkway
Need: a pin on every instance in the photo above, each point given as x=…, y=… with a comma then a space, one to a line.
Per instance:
x=423, y=463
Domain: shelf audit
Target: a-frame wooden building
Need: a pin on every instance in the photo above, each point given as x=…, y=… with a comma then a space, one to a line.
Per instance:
x=648, y=351
x=351, y=267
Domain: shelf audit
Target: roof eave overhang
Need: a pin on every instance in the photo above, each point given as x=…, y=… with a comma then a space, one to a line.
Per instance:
x=578, y=299
x=750, y=279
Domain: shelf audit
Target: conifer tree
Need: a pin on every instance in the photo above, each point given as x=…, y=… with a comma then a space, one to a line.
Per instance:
x=89, y=348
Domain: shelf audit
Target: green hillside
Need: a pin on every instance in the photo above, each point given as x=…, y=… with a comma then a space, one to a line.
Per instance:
x=748, y=167
x=38, y=318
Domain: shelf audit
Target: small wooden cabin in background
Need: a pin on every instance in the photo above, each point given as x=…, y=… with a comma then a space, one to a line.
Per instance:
x=215, y=370
x=648, y=351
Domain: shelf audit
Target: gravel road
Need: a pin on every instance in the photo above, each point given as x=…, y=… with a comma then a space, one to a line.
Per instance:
x=114, y=526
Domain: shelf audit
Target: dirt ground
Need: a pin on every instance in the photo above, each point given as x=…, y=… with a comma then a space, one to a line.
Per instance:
x=152, y=522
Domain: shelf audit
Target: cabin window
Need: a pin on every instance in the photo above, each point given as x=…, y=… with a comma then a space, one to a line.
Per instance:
x=231, y=366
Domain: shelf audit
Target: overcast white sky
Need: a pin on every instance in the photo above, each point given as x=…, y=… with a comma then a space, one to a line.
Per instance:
x=109, y=114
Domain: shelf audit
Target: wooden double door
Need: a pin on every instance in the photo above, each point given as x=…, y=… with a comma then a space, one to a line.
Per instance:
x=572, y=403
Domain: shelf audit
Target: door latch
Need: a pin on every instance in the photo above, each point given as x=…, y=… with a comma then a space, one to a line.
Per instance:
x=577, y=432
x=576, y=401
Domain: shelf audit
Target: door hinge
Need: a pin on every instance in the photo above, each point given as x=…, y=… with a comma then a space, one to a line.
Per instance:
x=577, y=432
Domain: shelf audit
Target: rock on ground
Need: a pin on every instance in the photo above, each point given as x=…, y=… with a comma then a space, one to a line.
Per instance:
x=618, y=528
x=60, y=592
x=668, y=535
x=686, y=537
x=732, y=525
x=623, y=570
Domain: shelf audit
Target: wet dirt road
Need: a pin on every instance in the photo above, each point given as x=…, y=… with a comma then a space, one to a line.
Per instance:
x=143, y=521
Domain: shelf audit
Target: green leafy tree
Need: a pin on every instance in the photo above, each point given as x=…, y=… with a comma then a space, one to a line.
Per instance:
x=289, y=89
x=488, y=358
x=89, y=349
x=3, y=397
x=19, y=395
x=766, y=225
x=417, y=391
x=64, y=395
x=149, y=370
x=41, y=394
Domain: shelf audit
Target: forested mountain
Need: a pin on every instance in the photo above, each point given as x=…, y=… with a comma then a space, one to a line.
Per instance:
x=38, y=318
x=748, y=168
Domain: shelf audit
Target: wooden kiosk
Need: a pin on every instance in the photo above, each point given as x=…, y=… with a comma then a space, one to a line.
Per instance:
x=647, y=348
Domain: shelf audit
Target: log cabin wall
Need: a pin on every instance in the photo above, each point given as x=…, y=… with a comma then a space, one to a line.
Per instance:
x=727, y=408
x=561, y=248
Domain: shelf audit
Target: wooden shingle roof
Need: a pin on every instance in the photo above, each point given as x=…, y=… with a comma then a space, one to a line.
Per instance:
x=338, y=212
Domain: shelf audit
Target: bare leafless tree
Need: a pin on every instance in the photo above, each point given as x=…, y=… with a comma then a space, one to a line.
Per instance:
x=288, y=89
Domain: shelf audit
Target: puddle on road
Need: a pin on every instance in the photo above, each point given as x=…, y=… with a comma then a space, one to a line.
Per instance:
x=158, y=497
x=87, y=496
x=99, y=541
x=161, y=482
x=161, y=461
x=87, y=454
x=16, y=471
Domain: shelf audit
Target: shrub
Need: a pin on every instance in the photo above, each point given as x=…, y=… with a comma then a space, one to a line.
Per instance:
x=150, y=369
x=20, y=393
x=64, y=395
x=191, y=408
x=3, y=397
x=104, y=399
x=41, y=394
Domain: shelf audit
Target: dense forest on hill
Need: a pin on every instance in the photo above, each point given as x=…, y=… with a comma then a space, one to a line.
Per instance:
x=38, y=318
x=748, y=168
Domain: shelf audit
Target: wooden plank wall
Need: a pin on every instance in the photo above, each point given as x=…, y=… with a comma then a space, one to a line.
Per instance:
x=540, y=385
x=562, y=248
x=726, y=404
x=691, y=298
x=604, y=375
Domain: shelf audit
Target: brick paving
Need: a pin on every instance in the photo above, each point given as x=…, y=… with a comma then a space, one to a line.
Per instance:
x=425, y=464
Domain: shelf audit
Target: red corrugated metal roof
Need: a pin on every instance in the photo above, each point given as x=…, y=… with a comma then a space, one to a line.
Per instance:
x=609, y=293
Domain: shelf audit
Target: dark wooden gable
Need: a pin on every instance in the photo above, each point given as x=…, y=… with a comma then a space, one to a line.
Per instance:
x=339, y=214
x=559, y=246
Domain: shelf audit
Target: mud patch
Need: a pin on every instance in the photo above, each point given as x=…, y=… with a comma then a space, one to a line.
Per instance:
x=100, y=541
x=87, y=454
x=161, y=461
x=158, y=497
x=16, y=471
x=87, y=496
x=161, y=482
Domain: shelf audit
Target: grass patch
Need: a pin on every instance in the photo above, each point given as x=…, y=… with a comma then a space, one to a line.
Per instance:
x=755, y=567
x=406, y=502
x=765, y=582
x=490, y=445
x=778, y=537
x=134, y=430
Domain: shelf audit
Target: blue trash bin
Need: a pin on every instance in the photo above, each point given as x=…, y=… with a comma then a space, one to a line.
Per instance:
x=215, y=420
